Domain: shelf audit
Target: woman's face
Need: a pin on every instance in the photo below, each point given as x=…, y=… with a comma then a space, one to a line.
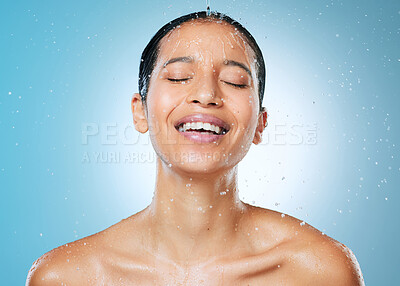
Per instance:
x=202, y=102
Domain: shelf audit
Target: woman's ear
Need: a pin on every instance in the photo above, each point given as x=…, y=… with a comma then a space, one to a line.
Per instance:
x=261, y=124
x=139, y=116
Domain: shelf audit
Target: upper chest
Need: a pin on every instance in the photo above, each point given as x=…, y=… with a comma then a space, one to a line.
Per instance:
x=253, y=270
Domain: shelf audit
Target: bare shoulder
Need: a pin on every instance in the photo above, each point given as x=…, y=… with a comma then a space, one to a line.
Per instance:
x=325, y=260
x=307, y=255
x=69, y=264
x=76, y=263
x=90, y=260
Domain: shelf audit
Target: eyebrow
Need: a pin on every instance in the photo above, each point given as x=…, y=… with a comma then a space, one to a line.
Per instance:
x=190, y=60
x=237, y=64
x=178, y=59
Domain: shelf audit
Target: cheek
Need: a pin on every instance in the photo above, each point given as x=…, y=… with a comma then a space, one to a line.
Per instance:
x=248, y=118
x=161, y=96
x=245, y=107
x=160, y=103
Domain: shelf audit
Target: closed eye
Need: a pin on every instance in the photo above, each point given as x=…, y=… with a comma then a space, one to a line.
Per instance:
x=236, y=85
x=178, y=79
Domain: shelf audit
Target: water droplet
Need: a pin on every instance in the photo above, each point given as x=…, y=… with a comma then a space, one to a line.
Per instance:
x=222, y=193
x=170, y=165
x=302, y=223
x=282, y=215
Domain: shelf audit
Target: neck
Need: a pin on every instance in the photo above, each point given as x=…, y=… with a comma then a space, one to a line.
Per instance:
x=192, y=217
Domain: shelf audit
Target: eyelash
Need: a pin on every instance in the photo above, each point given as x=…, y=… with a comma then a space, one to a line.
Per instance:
x=178, y=79
x=236, y=85
x=185, y=79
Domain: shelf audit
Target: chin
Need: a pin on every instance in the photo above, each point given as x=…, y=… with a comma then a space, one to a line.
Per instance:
x=198, y=162
x=204, y=169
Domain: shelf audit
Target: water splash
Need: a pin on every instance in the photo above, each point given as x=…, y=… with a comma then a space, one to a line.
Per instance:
x=208, y=7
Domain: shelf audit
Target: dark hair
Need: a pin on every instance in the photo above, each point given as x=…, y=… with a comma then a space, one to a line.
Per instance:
x=150, y=53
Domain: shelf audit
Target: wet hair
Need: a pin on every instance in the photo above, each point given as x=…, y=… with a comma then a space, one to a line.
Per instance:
x=151, y=51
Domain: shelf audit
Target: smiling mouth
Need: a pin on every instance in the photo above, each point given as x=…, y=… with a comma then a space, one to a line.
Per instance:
x=202, y=128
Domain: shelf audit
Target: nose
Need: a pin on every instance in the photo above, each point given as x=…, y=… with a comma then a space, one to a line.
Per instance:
x=206, y=93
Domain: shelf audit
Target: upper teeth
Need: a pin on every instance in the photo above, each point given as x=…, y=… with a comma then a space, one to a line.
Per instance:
x=198, y=126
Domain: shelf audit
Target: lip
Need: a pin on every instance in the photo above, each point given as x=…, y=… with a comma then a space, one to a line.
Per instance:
x=200, y=137
x=200, y=117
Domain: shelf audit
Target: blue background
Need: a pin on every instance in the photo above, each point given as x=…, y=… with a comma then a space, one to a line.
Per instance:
x=330, y=154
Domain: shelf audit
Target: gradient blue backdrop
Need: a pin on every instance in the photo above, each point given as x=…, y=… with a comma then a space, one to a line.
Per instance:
x=330, y=155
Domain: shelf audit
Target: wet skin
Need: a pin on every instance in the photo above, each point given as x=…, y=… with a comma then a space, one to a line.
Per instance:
x=197, y=231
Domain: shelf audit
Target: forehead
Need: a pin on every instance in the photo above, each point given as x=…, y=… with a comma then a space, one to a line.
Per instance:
x=206, y=39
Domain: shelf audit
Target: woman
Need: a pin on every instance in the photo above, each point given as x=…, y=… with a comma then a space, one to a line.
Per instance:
x=201, y=88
